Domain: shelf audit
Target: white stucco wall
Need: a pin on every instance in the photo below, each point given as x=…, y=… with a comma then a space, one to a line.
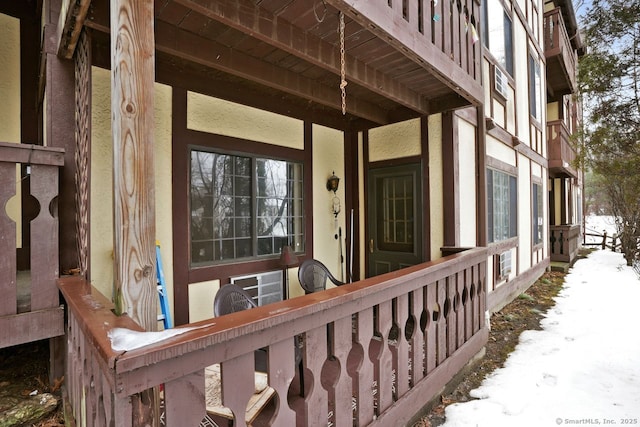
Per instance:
x=525, y=226
x=500, y=151
x=328, y=157
x=436, y=196
x=395, y=141
x=101, y=221
x=521, y=74
x=467, y=170
x=213, y=115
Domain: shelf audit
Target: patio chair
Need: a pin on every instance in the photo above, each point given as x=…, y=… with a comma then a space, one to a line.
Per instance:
x=231, y=298
x=313, y=276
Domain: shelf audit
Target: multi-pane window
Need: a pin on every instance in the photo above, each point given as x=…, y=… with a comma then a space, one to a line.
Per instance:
x=397, y=216
x=535, y=85
x=537, y=220
x=498, y=33
x=502, y=205
x=243, y=207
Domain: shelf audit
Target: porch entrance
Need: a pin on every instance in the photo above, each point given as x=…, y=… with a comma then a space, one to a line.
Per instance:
x=394, y=218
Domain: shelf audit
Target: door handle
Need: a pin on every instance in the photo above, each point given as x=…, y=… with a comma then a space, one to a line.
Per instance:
x=371, y=245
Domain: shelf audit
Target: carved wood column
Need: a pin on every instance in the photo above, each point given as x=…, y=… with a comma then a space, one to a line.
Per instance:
x=132, y=77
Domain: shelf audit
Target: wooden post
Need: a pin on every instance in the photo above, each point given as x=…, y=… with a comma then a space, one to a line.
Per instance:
x=604, y=240
x=132, y=79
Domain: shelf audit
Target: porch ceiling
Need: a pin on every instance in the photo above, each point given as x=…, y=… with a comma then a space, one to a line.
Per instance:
x=288, y=52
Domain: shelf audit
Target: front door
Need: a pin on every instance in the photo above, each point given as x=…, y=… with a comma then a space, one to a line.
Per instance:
x=394, y=218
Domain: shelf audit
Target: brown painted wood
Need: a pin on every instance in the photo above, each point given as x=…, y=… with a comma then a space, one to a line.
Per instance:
x=237, y=381
x=8, y=288
x=341, y=389
x=431, y=346
x=426, y=186
x=451, y=179
x=451, y=316
x=363, y=380
x=132, y=53
x=403, y=361
x=417, y=310
x=32, y=326
x=459, y=308
x=44, y=238
x=185, y=400
x=292, y=39
x=316, y=405
x=441, y=324
x=383, y=367
x=414, y=400
x=281, y=369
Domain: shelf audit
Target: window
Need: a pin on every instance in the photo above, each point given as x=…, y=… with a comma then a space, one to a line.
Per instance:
x=536, y=204
x=243, y=207
x=535, y=98
x=502, y=205
x=498, y=34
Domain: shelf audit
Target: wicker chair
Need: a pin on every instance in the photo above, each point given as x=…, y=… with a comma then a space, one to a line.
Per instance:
x=313, y=276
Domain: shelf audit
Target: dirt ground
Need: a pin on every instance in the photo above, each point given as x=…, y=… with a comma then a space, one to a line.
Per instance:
x=24, y=370
x=523, y=313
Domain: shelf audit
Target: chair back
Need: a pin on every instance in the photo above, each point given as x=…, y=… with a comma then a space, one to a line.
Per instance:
x=231, y=298
x=313, y=276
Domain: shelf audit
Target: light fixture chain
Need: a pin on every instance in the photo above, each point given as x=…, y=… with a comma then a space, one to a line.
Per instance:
x=343, y=80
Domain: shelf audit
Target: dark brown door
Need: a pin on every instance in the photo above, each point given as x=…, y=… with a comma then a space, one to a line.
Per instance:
x=394, y=218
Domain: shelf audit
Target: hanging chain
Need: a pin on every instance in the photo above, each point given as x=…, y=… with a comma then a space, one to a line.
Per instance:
x=343, y=81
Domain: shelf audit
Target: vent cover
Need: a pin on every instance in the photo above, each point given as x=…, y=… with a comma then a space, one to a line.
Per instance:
x=265, y=288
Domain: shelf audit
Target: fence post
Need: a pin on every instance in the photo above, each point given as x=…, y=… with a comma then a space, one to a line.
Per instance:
x=614, y=242
x=604, y=239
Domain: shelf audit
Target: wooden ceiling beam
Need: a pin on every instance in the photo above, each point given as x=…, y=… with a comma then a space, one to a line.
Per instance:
x=191, y=47
x=245, y=16
x=186, y=45
x=72, y=16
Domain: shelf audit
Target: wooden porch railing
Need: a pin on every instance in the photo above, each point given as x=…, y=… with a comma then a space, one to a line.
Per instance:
x=29, y=303
x=557, y=44
x=565, y=242
x=443, y=34
x=562, y=155
x=374, y=351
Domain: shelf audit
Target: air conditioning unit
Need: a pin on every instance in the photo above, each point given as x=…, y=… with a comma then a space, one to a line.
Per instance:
x=264, y=288
x=505, y=264
x=501, y=83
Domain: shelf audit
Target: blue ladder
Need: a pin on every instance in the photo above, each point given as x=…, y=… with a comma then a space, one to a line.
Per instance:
x=162, y=292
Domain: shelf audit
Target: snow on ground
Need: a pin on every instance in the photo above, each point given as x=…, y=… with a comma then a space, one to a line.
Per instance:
x=583, y=368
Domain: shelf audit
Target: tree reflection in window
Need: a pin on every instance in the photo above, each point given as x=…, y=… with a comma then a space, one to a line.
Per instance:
x=243, y=207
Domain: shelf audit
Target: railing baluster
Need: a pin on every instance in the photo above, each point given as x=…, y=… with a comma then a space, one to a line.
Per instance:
x=281, y=369
x=441, y=324
x=363, y=380
x=185, y=400
x=468, y=305
x=459, y=309
x=402, y=369
x=432, y=329
x=342, y=388
x=451, y=316
x=44, y=251
x=8, y=302
x=383, y=359
x=237, y=381
x=417, y=338
x=316, y=405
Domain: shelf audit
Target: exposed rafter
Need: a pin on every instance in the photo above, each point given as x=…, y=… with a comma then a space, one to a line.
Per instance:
x=245, y=16
x=72, y=16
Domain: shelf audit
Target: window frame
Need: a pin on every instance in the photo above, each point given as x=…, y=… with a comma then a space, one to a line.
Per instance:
x=511, y=208
x=537, y=214
x=507, y=36
x=183, y=140
x=251, y=215
x=535, y=87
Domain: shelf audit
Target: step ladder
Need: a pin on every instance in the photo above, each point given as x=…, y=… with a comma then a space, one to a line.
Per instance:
x=162, y=292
